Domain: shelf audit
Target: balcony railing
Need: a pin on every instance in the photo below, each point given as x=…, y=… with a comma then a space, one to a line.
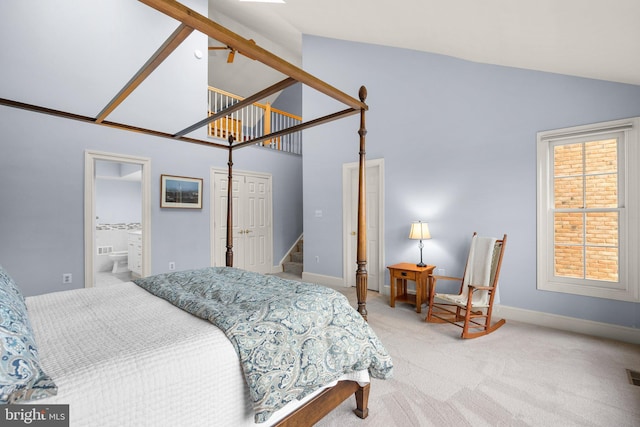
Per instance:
x=253, y=121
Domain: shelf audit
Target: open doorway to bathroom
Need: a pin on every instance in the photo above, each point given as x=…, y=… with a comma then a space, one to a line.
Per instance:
x=116, y=218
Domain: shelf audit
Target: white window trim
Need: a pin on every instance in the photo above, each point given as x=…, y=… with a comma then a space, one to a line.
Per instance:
x=629, y=285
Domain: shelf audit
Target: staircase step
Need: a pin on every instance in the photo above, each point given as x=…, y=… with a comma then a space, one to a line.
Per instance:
x=292, y=268
x=297, y=256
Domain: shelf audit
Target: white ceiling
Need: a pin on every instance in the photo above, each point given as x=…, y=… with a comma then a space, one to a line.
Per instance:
x=597, y=39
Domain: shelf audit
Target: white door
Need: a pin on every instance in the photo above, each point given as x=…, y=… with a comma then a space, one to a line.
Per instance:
x=252, y=225
x=257, y=223
x=374, y=212
x=91, y=158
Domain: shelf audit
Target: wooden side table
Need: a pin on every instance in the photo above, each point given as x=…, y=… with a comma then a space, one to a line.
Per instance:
x=407, y=271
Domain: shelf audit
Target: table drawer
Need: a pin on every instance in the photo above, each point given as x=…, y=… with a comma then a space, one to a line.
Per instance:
x=408, y=275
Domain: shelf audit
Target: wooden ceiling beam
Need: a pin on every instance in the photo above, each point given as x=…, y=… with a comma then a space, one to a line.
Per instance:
x=239, y=105
x=174, y=40
x=300, y=127
x=91, y=120
x=249, y=48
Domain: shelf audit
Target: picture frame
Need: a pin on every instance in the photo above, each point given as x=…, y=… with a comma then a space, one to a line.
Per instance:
x=180, y=192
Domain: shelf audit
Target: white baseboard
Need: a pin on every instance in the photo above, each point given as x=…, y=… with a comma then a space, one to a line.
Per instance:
x=333, y=282
x=571, y=324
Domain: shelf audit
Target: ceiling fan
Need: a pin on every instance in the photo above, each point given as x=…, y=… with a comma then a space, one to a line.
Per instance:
x=232, y=51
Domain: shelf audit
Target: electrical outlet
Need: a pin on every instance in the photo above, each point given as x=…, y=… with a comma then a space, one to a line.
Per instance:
x=440, y=272
x=67, y=278
x=172, y=265
x=317, y=259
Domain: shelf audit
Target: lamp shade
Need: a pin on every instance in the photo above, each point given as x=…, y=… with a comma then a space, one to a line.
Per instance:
x=419, y=231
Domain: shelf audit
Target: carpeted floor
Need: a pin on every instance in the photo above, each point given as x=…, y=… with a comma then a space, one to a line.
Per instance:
x=521, y=375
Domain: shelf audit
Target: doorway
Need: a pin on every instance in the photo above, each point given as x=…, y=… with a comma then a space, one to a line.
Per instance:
x=375, y=222
x=252, y=220
x=117, y=218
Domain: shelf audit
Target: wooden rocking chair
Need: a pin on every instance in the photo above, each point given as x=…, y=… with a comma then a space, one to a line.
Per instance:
x=480, y=280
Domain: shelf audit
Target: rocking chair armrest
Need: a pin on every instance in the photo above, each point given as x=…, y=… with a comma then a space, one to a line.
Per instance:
x=434, y=279
x=480, y=288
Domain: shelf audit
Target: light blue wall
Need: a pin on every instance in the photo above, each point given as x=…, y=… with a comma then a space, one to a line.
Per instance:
x=290, y=100
x=118, y=192
x=118, y=201
x=459, y=144
x=41, y=213
x=69, y=62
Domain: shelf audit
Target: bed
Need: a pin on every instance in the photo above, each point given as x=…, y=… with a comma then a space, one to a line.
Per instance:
x=44, y=311
x=165, y=350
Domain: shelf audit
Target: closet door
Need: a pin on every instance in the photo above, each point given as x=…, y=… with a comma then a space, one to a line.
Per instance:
x=252, y=225
x=257, y=224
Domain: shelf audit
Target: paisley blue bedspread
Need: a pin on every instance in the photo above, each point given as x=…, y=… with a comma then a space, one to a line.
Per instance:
x=291, y=337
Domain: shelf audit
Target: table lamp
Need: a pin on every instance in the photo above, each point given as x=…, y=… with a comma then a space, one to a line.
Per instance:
x=420, y=231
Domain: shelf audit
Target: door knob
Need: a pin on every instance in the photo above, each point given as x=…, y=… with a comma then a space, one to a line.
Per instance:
x=353, y=233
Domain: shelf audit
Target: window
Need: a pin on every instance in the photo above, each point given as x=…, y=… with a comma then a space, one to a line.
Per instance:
x=588, y=205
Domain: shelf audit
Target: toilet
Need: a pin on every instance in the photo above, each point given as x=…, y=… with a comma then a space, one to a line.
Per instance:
x=120, y=259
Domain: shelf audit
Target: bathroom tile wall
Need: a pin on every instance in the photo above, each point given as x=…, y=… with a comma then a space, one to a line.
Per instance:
x=114, y=235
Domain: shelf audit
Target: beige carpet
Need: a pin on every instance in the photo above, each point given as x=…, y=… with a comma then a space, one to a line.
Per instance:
x=521, y=375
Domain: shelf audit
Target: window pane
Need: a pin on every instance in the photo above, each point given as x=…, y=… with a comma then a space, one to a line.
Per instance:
x=567, y=160
x=579, y=186
x=568, y=261
x=602, y=229
x=568, y=228
x=602, y=191
x=602, y=263
x=601, y=156
x=568, y=192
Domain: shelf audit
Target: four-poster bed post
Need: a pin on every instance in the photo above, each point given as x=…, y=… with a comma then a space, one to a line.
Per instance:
x=229, y=255
x=361, y=255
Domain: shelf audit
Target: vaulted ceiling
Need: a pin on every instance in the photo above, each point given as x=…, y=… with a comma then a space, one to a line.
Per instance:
x=597, y=39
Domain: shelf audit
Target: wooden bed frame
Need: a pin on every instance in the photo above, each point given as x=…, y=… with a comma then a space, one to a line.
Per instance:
x=190, y=20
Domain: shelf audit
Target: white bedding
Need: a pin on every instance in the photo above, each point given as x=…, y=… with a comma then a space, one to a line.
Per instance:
x=123, y=357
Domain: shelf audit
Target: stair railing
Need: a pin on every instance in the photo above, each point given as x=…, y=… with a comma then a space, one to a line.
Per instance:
x=253, y=121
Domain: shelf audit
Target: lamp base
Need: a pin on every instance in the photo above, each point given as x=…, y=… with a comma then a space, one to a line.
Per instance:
x=421, y=264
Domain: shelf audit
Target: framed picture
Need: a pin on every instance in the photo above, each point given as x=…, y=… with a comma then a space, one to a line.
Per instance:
x=180, y=192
